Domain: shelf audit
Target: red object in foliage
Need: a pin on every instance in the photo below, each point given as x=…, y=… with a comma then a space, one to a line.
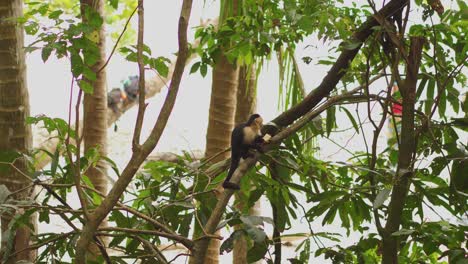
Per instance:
x=397, y=108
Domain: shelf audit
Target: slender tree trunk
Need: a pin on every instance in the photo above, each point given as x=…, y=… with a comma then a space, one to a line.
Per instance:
x=406, y=154
x=95, y=110
x=246, y=106
x=220, y=125
x=95, y=114
x=15, y=135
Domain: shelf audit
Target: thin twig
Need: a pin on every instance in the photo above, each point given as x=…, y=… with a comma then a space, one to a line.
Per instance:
x=141, y=78
x=117, y=42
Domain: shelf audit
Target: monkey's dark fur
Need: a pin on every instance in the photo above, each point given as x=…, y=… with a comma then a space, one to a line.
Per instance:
x=244, y=137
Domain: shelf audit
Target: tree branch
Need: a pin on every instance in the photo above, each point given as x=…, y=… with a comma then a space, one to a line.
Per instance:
x=141, y=78
x=139, y=154
x=406, y=154
x=288, y=117
x=337, y=71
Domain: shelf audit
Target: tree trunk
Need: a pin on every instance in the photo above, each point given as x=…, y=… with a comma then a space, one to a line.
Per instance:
x=95, y=113
x=405, y=155
x=246, y=106
x=15, y=135
x=220, y=125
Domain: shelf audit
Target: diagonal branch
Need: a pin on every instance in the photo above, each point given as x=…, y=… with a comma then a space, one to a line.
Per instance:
x=338, y=69
x=288, y=117
x=140, y=154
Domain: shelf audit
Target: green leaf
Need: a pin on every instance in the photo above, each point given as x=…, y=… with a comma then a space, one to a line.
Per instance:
x=442, y=102
x=46, y=51
x=76, y=64
x=228, y=244
x=86, y=86
x=351, y=118
x=159, y=65
x=54, y=163
x=203, y=70
x=422, y=84
x=7, y=157
x=55, y=14
x=113, y=165
x=429, y=97
x=195, y=67
x=114, y=3
x=31, y=28
x=89, y=74
x=381, y=197
x=331, y=119
x=257, y=252
x=94, y=19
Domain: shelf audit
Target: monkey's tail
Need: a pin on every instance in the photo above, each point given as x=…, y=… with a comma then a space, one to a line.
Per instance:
x=234, y=164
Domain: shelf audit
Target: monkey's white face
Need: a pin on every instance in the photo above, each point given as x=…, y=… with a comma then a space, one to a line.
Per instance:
x=258, y=123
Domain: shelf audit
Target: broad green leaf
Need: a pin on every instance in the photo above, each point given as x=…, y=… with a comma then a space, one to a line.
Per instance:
x=195, y=67
x=203, y=70
x=76, y=64
x=46, y=51
x=159, y=65
x=257, y=252
x=228, y=244
x=86, y=87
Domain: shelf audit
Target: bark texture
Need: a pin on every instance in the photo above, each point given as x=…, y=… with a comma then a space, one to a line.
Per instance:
x=406, y=154
x=246, y=106
x=221, y=119
x=95, y=114
x=95, y=109
x=15, y=135
x=338, y=69
x=222, y=108
x=141, y=153
x=220, y=124
x=287, y=118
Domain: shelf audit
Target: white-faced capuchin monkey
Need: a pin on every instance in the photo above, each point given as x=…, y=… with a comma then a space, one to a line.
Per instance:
x=244, y=137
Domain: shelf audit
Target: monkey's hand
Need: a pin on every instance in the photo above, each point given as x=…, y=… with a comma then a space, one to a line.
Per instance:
x=266, y=138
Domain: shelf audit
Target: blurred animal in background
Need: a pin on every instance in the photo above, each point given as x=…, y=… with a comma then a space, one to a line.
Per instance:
x=131, y=87
x=115, y=99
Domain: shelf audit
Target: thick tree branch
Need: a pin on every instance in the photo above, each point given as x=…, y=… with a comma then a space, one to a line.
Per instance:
x=406, y=154
x=139, y=154
x=288, y=117
x=338, y=69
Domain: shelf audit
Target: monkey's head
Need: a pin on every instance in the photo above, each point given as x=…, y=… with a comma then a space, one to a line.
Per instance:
x=255, y=120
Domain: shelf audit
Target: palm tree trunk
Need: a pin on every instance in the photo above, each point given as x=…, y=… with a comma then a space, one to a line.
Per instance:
x=246, y=106
x=221, y=119
x=15, y=135
x=220, y=125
